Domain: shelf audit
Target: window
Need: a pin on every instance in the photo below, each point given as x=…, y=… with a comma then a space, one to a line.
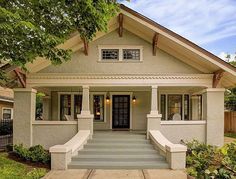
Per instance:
x=77, y=104
x=98, y=107
x=186, y=107
x=196, y=103
x=71, y=105
x=110, y=54
x=163, y=106
x=7, y=113
x=131, y=54
x=175, y=107
x=120, y=53
x=65, y=106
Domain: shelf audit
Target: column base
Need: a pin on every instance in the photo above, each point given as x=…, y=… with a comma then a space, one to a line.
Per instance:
x=85, y=122
x=153, y=122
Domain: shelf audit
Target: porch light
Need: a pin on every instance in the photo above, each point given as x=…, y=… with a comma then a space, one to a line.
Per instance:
x=107, y=99
x=134, y=99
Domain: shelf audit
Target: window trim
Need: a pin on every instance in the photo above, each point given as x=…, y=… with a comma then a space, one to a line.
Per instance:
x=7, y=108
x=105, y=106
x=120, y=48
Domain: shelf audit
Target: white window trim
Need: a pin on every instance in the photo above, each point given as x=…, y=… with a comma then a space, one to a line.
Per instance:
x=72, y=102
x=120, y=48
x=7, y=108
x=105, y=106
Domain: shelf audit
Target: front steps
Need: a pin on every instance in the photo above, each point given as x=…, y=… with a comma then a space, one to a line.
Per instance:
x=118, y=150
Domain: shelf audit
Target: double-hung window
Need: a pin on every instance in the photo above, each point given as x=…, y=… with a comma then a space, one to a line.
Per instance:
x=7, y=113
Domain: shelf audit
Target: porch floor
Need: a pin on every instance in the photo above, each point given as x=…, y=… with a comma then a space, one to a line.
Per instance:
x=118, y=150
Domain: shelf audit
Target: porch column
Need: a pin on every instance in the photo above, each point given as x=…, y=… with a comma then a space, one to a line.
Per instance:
x=85, y=118
x=24, y=114
x=154, y=118
x=213, y=113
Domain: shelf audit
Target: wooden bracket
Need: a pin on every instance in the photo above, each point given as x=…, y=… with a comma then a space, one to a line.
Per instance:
x=154, y=44
x=120, y=20
x=217, y=77
x=21, y=77
x=85, y=46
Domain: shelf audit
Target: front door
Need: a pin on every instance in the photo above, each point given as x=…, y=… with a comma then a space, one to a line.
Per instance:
x=120, y=111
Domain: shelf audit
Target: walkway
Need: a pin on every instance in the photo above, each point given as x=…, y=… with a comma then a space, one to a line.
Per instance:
x=228, y=140
x=116, y=174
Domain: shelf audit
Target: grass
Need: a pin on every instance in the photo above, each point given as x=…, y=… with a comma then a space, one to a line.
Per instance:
x=232, y=135
x=10, y=169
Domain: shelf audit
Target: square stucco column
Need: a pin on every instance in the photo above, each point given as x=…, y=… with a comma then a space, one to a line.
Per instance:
x=213, y=113
x=154, y=118
x=85, y=119
x=24, y=114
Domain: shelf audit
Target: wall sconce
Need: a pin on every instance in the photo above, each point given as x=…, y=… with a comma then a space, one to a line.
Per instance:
x=134, y=99
x=107, y=99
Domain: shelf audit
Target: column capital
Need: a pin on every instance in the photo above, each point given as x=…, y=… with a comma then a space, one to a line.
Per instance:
x=25, y=90
x=154, y=86
x=85, y=86
x=213, y=90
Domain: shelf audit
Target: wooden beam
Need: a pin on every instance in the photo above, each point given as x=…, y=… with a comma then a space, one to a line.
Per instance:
x=120, y=20
x=154, y=44
x=217, y=77
x=85, y=46
x=21, y=77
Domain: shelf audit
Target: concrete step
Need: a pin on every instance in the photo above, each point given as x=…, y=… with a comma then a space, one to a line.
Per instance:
x=117, y=140
x=117, y=146
x=117, y=165
x=119, y=136
x=117, y=151
x=117, y=158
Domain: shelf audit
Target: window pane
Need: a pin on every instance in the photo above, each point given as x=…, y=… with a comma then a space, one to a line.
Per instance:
x=6, y=114
x=77, y=104
x=65, y=108
x=174, y=107
x=196, y=102
x=186, y=107
x=110, y=54
x=163, y=106
x=131, y=54
x=98, y=107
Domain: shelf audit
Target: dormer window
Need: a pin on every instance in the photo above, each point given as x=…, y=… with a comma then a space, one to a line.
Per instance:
x=120, y=53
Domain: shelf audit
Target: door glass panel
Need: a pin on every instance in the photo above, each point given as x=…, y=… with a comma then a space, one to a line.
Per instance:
x=65, y=106
x=77, y=105
x=98, y=107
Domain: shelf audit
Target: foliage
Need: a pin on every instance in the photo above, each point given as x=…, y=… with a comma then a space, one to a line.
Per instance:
x=6, y=127
x=206, y=161
x=31, y=29
x=232, y=135
x=10, y=169
x=39, y=105
x=230, y=96
x=33, y=154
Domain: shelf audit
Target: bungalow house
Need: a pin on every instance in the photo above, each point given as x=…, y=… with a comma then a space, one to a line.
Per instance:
x=138, y=77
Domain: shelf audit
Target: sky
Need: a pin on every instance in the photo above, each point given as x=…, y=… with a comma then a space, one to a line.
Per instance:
x=209, y=23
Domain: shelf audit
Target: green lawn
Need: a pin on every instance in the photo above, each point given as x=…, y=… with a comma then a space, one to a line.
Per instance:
x=232, y=135
x=10, y=169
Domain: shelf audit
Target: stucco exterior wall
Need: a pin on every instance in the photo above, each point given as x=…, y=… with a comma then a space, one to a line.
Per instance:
x=49, y=135
x=161, y=63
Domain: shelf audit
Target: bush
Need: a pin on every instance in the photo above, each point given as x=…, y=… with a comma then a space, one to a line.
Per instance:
x=33, y=154
x=206, y=161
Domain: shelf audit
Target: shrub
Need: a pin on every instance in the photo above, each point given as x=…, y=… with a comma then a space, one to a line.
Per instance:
x=206, y=161
x=33, y=154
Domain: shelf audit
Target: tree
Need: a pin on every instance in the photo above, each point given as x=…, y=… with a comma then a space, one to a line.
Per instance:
x=230, y=95
x=34, y=28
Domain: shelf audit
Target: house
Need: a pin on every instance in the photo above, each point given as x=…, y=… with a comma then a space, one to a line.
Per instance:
x=6, y=103
x=138, y=76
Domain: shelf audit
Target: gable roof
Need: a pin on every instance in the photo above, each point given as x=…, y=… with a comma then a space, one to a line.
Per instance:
x=168, y=41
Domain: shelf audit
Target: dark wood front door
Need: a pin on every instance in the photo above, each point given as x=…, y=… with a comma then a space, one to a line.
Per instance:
x=120, y=111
